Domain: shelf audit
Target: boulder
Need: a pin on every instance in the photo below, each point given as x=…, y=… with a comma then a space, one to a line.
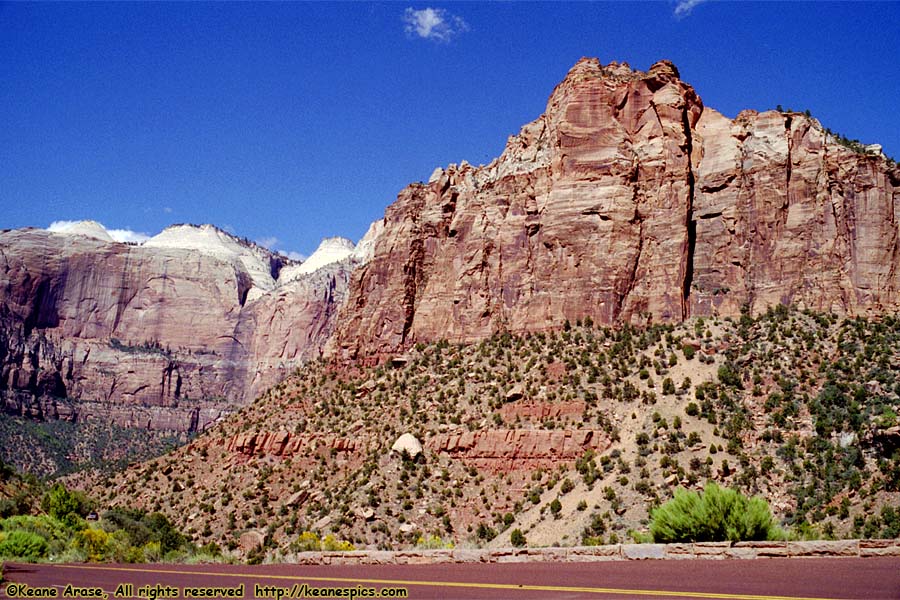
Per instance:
x=251, y=540
x=516, y=392
x=408, y=444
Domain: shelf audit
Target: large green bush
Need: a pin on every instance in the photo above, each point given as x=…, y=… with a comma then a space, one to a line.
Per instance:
x=66, y=506
x=714, y=515
x=23, y=544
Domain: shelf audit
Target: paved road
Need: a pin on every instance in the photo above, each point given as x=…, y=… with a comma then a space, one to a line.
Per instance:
x=769, y=579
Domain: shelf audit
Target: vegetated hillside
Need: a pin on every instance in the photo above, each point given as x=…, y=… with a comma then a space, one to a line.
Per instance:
x=570, y=436
x=56, y=447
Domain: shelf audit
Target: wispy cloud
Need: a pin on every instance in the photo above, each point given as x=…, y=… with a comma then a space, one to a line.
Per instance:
x=127, y=235
x=63, y=226
x=434, y=24
x=684, y=7
x=271, y=242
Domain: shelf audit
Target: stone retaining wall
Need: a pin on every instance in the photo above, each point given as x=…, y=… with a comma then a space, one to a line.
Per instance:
x=704, y=550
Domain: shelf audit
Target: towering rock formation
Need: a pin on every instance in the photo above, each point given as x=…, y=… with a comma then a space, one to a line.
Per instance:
x=628, y=200
x=166, y=335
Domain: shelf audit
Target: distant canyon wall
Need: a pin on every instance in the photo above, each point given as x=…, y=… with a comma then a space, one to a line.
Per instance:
x=164, y=338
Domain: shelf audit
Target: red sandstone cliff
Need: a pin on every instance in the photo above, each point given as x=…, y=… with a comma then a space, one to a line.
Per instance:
x=629, y=200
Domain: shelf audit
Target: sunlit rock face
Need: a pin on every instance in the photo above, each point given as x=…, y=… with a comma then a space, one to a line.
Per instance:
x=629, y=201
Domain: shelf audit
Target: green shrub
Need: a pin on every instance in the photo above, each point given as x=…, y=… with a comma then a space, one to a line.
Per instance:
x=517, y=538
x=729, y=375
x=593, y=533
x=715, y=515
x=17, y=505
x=485, y=532
x=23, y=544
x=163, y=531
x=66, y=506
x=128, y=520
x=53, y=531
x=668, y=386
x=555, y=506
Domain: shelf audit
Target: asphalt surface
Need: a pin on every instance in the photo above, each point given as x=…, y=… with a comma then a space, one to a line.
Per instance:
x=768, y=579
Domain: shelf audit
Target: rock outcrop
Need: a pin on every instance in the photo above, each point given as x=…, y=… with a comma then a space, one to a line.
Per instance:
x=508, y=449
x=541, y=411
x=285, y=444
x=628, y=200
x=785, y=214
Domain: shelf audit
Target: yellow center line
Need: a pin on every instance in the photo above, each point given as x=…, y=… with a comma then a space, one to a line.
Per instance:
x=452, y=584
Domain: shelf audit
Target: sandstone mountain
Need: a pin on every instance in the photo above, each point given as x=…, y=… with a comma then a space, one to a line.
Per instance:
x=629, y=201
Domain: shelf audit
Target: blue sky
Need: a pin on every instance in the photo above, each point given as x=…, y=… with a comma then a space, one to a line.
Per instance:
x=286, y=123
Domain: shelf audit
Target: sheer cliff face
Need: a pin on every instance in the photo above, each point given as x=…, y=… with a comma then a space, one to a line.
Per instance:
x=155, y=336
x=628, y=200
x=785, y=215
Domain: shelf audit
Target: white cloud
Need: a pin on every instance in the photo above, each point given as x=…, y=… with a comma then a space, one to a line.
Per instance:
x=62, y=226
x=96, y=229
x=127, y=235
x=433, y=24
x=684, y=7
x=295, y=256
x=167, y=210
x=269, y=242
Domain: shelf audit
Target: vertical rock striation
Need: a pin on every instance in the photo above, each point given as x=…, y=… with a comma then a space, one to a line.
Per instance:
x=627, y=200
x=785, y=214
